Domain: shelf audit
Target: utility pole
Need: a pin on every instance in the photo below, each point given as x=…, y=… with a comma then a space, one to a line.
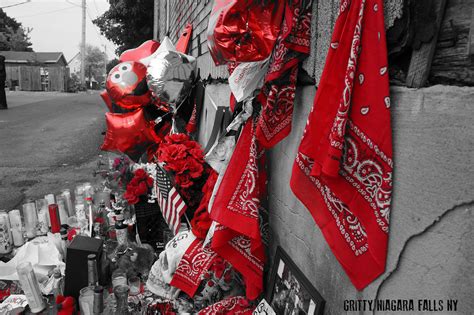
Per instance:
x=105, y=63
x=83, y=45
x=155, y=19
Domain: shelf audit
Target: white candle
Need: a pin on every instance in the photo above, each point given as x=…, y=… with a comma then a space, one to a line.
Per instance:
x=6, y=241
x=66, y=193
x=43, y=216
x=50, y=199
x=31, y=219
x=63, y=214
x=30, y=286
x=17, y=228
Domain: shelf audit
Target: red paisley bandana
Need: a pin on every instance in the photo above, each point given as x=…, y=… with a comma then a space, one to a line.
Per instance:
x=278, y=93
x=192, y=266
x=236, y=209
x=343, y=170
x=237, y=305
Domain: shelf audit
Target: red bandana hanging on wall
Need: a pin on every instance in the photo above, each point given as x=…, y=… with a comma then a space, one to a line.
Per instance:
x=343, y=170
x=278, y=93
x=237, y=207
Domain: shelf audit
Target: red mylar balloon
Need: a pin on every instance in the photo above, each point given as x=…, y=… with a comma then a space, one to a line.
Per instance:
x=142, y=53
x=128, y=133
x=243, y=31
x=126, y=85
x=106, y=98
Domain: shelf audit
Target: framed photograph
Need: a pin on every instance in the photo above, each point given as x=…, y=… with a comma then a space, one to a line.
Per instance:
x=290, y=292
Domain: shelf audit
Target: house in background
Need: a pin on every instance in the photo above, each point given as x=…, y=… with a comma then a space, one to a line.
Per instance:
x=36, y=71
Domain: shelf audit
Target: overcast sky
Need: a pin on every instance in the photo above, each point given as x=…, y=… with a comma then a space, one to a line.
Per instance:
x=57, y=24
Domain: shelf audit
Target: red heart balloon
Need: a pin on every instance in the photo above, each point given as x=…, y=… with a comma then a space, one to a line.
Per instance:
x=126, y=85
x=142, y=53
x=129, y=133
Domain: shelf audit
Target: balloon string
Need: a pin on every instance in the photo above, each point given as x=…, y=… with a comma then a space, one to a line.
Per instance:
x=174, y=112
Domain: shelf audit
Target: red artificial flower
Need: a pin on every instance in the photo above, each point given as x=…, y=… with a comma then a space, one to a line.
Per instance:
x=138, y=186
x=134, y=181
x=131, y=197
x=141, y=189
x=140, y=173
x=177, y=138
x=183, y=180
x=99, y=220
x=178, y=166
x=171, y=152
x=210, y=283
x=197, y=153
x=195, y=168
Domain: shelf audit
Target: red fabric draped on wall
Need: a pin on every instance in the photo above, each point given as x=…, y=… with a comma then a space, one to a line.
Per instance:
x=343, y=169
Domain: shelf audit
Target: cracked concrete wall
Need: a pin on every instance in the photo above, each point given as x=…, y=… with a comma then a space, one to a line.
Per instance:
x=431, y=248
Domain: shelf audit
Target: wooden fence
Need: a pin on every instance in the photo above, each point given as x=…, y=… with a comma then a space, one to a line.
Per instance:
x=29, y=77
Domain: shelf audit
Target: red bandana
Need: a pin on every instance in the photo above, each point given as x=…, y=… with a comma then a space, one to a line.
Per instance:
x=278, y=93
x=192, y=266
x=343, y=170
x=236, y=210
x=237, y=305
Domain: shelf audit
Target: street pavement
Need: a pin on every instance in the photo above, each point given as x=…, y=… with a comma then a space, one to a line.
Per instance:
x=48, y=142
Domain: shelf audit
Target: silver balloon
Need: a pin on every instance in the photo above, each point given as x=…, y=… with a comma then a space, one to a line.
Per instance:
x=170, y=76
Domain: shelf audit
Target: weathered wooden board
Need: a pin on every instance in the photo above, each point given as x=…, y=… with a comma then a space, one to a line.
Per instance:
x=422, y=58
x=451, y=62
x=56, y=79
x=30, y=78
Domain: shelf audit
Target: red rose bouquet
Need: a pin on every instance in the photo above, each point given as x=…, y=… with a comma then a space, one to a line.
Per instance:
x=183, y=158
x=138, y=186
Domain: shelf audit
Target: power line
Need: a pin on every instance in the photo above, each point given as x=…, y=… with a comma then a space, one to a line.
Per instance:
x=96, y=8
x=44, y=13
x=74, y=4
x=14, y=5
x=101, y=37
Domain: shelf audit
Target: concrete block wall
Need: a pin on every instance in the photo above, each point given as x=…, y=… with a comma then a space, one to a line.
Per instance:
x=431, y=249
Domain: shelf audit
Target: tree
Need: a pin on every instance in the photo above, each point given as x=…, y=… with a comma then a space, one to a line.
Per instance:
x=95, y=63
x=127, y=23
x=13, y=36
x=112, y=63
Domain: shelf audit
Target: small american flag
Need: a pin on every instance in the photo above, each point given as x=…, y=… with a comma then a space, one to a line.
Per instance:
x=171, y=204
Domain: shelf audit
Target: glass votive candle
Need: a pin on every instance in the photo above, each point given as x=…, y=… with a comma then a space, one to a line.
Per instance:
x=134, y=284
x=86, y=301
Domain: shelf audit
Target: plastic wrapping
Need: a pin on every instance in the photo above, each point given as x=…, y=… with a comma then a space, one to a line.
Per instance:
x=247, y=78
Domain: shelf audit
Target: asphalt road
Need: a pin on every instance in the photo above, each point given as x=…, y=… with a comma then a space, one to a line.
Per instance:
x=48, y=141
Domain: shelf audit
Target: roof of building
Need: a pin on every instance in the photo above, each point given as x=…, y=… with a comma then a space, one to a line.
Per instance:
x=32, y=57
